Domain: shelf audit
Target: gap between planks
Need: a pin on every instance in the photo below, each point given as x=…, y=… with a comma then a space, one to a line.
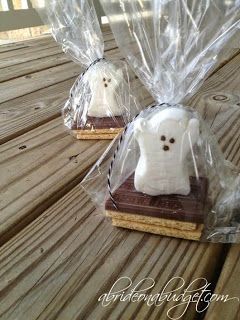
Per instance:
x=35, y=108
x=44, y=76
x=202, y=105
x=51, y=164
x=41, y=62
x=40, y=166
x=73, y=254
x=76, y=279
x=24, y=44
x=27, y=185
x=228, y=285
x=37, y=80
x=11, y=136
x=42, y=49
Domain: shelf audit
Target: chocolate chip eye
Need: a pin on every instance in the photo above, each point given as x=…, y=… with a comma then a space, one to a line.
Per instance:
x=109, y=80
x=163, y=138
x=104, y=79
x=172, y=140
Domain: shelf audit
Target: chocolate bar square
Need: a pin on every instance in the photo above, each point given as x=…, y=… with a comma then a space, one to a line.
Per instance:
x=94, y=123
x=188, y=208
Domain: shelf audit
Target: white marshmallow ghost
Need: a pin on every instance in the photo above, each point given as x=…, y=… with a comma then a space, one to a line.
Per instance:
x=104, y=79
x=165, y=141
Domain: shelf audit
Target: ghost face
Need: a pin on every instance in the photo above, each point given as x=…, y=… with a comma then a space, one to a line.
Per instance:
x=170, y=138
x=103, y=80
x=175, y=139
x=106, y=82
x=165, y=140
x=164, y=143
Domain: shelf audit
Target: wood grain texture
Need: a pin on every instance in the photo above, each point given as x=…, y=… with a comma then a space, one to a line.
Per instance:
x=26, y=54
x=218, y=102
x=43, y=38
x=67, y=254
x=26, y=84
x=24, y=113
x=37, y=77
x=231, y=79
x=31, y=101
x=10, y=47
x=25, y=69
x=228, y=284
x=37, y=168
x=58, y=266
x=50, y=58
x=28, y=43
x=45, y=159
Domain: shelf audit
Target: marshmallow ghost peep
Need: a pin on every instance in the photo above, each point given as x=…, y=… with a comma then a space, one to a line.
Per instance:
x=165, y=141
x=104, y=78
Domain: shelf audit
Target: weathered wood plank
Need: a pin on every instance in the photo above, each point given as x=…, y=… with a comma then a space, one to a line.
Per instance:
x=15, y=61
x=38, y=80
x=42, y=159
x=225, y=55
x=228, y=284
x=211, y=101
x=37, y=168
x=36, y=65
x=24, y=113
x=194, y=104
x=27, y=56
x=35, y=82
x=11, y=47
x=40, y=61
x=25, y=43
x=27, y=112
x=44, y=39
x=70, y=251
x=73, y=255
x=26, y=84
x=58, y=109
x=218, y=102
x=28, y=48
x=24, y=54
x=21, y=114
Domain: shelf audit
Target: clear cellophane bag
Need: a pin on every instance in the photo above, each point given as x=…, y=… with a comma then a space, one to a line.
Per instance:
x=169, y=154
x=100, y=103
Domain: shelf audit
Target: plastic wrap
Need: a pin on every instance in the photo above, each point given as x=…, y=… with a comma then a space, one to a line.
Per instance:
x=167, y=164
x=172, y=45
x=223, y=221
x=99, y=103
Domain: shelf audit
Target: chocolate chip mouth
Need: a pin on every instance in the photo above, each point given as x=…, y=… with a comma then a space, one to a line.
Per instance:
x=165, y=148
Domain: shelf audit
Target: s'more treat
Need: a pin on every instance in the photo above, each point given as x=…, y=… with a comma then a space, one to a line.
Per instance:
x=161, y=196
x=103, y=117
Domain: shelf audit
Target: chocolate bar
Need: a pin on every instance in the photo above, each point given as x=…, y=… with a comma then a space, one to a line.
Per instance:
x=188, y=208
x=95, y=123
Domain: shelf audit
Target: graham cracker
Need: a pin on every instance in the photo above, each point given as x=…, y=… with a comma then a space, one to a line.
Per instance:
x=176, y=224
x=98, y=128
x=96, y=134
x=160, y=230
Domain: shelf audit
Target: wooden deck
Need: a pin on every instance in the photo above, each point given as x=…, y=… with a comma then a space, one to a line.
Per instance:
x=58, y=253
